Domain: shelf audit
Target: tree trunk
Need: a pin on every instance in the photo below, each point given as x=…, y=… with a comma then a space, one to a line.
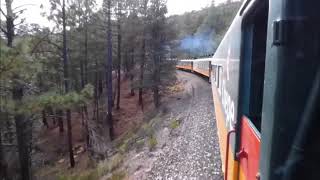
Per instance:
x=109, y=71
x=82, y=116
x=86, y=126
x=142, y=73
x=132, y=90
x=82, y=73
x=70, y=145
x=126, y=65
x=60, y=121
x=143, y=55
x=53, y=116
x=119, y=57
x=24, y=156
x=22, y=135
x=156, y=96
x=85, y=78
x=96, y=90
x=66, y=84
x=156, y=76
x=44, y=119
x=118, y=88
x=9, y=23
x=86, y=46
x=100, y=85
x=131, y=72
x=3, y=165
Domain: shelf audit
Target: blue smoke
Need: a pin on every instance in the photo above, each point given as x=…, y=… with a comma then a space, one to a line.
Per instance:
x=201, y=43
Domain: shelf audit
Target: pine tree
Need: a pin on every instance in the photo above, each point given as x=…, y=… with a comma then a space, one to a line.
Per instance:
x=119, y=54
x=157, y=13
x=66, y=83
x=143, y=50
x=21, y=121
x=109, y=70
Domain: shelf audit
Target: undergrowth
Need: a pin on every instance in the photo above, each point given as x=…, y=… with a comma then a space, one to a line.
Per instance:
x=174, y=124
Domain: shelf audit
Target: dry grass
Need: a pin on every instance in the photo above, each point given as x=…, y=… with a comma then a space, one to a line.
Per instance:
x=88, y=175
x=177, y=87
x=118, y=175
x=174, y=124
x=152, y=142
x=103, y=168
x=110, y=165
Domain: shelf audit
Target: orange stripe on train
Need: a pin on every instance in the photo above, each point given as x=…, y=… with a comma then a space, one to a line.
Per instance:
x=233, y=166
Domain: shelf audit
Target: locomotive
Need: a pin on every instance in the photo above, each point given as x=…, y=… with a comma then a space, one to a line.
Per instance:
x=265, y=78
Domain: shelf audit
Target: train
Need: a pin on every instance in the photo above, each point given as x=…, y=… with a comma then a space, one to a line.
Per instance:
x=201, y=66
x=265, y=78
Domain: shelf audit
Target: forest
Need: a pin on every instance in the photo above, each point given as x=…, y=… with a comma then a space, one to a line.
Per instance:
x=70, y=85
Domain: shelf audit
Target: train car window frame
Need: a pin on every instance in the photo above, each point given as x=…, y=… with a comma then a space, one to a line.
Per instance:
x=254, y=34
x=214, y=72
x=220, y=71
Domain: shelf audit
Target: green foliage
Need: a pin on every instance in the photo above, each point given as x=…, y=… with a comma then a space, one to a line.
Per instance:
x=146, y=130
x=17, y=67
x=103, y=168
x=16, y=60
x=152, y=142
x=90, y=175
x=87, y=92
x=109, y=165
x=174, y=124
x=58, y=101
x=7, y=105
x=124, y=147
x=119, y=175
x=116, y=161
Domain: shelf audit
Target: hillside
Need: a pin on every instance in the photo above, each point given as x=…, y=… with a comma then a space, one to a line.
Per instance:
x=200, y=32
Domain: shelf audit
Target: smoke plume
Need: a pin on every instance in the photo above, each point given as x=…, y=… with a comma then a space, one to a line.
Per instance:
x=200, y=43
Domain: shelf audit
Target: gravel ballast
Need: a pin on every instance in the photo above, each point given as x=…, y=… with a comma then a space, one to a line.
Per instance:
x=193, y=151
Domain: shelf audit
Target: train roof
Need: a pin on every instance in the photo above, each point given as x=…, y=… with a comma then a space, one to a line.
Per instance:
x=197, y=60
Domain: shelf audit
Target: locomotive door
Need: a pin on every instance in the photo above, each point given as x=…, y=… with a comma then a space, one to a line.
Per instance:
x=252, y=64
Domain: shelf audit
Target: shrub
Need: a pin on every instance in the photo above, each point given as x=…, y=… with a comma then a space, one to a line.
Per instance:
x=174, y=124
x=116, y=160
x=152, y=142
x=119, y=175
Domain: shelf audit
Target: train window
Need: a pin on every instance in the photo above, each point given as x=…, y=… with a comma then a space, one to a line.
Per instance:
x=220, y=70
x=255, y=34
x=214, y=72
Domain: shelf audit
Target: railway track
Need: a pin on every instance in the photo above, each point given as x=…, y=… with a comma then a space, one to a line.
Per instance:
x=195, y=152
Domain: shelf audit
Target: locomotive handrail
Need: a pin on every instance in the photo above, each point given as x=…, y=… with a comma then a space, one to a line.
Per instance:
x=227, y=153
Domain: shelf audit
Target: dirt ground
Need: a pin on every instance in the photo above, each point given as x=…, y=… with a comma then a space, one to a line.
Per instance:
x=130, y=113
x=50, y=155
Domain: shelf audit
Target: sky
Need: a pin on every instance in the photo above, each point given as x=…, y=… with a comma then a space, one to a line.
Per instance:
x=32, y=14
x=33, y=10
x=182, y=6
